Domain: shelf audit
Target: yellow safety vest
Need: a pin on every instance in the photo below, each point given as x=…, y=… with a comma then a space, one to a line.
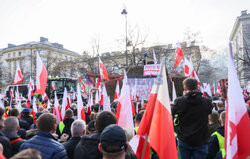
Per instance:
x=136, y=129
x=221, y=141
x=61, y=126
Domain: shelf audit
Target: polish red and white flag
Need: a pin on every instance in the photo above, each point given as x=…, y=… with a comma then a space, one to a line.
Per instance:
x=41, y=76
x=18, y=76
x=44, y=96
x=57, y=111
x=53, y=85
x=237, y=126
x=186, y=68
x=213, y=89
x=179, y=56
x=31, y=87
x=192, y=72
x=219, y=89
x=64, y=102
x=117, y=90
x=125, y=108
x=106, y=101
x=157, y=122
x=103, y=72
x=80, y=108
x=83, y=88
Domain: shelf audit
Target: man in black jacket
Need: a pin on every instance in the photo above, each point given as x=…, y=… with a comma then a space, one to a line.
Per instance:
x=192, y=129
x=11, y=127
x=78, y=129
x=87, y=148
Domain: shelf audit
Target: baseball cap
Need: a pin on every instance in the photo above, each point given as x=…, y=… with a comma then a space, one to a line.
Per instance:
x=113, y=139
x=26, y=110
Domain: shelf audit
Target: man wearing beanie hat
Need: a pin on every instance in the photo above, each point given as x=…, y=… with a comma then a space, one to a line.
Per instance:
x=113, y=142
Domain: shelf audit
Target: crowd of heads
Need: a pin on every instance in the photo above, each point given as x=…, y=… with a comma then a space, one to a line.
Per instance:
x=113, y=139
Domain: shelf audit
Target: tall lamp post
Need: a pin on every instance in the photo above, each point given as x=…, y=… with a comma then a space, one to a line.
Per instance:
x=124, y=12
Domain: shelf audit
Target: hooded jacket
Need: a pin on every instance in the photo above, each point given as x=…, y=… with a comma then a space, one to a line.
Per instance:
x=87, y=148
x=192, y=110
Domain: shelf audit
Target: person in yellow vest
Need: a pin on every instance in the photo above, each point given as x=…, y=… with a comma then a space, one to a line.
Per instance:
x=216, y=149
x=64, y=126
x=138, y=118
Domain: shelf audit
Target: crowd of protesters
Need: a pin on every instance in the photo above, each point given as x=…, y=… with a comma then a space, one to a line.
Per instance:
x=198, y=122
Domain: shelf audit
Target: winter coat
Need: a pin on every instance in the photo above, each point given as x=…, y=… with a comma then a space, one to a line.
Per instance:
x=87, y=148
x=15, y=140
x=213, y=146
x=70, y=146
x=47, y=145
x=6, y=144
x=192, y=110
x=67, y=123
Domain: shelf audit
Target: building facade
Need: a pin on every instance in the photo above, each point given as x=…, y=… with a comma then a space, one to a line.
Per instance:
x=25, y=56
x=240, y=37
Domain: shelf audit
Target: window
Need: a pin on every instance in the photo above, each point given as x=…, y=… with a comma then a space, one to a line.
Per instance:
x=20, y=53
x=14, y=54
x=9, y=55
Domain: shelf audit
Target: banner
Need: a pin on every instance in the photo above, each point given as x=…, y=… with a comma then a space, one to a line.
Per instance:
x=151, y=70
x=141, y=86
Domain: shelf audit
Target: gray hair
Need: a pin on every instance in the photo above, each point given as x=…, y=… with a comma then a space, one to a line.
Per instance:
x=77, y=128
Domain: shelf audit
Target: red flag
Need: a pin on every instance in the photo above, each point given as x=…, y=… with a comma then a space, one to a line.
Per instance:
x=103, y=72
x=157, y=121
x=237, y=120
x=117, y=90
x=124, y=113
x=41, y=76
x=18, y=76
x=179, y=55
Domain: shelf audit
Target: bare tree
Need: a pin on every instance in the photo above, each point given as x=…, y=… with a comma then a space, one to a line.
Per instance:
x=96, y=46
x=135, y=39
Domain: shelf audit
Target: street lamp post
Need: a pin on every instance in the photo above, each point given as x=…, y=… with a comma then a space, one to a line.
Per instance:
x=124, y=12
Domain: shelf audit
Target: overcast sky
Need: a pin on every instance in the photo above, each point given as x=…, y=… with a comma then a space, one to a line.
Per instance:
x=75, y=23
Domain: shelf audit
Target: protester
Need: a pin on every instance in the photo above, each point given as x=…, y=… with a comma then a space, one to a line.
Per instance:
x=113, y=143
x=213, y=120
x=64, y=126
x=138, y=120
x=44, y=141
x=87, y=148
x=220, y=106
x=28, y=154
x=25, y=115
x=78, y=129
x=216, y=147
x=11, y=126
x=1, y=118
x=192, y=129
x=7, y=151
x=91, y=127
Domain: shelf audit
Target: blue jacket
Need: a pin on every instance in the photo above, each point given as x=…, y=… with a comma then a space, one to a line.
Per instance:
x=47, y=145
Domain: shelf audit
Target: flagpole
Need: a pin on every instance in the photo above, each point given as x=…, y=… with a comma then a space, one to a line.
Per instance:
x=144, y=146
x=11, y=95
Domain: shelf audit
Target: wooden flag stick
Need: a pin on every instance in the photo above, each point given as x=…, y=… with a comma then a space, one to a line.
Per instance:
x=144, y=147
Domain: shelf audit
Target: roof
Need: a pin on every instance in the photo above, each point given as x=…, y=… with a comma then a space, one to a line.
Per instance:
x=237, y=23
x=44, y=43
